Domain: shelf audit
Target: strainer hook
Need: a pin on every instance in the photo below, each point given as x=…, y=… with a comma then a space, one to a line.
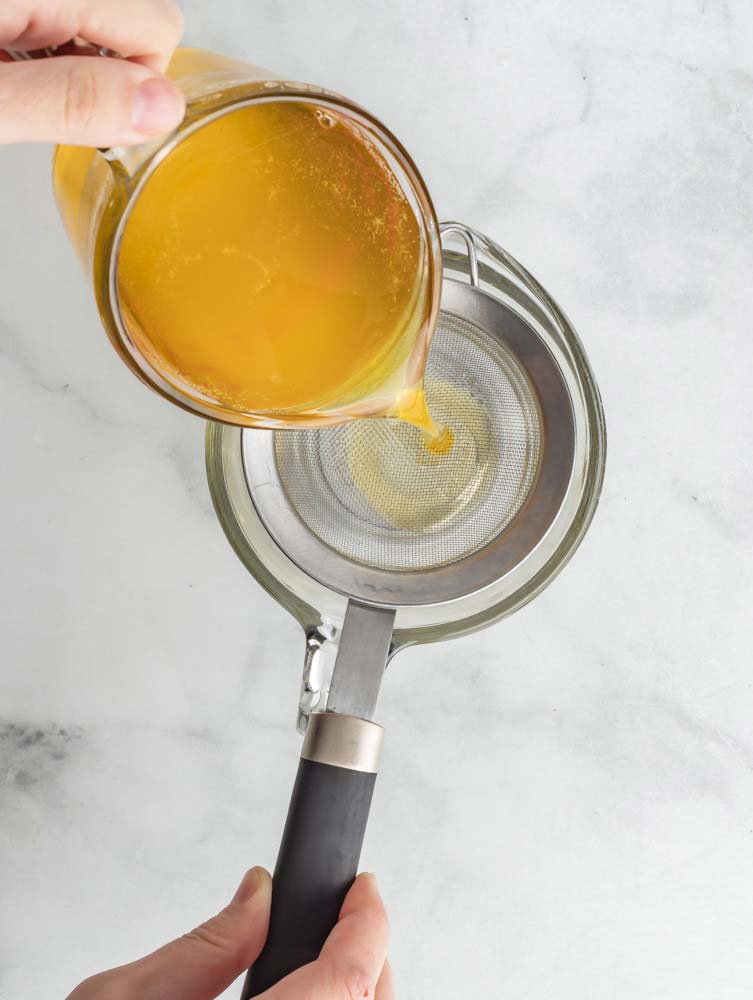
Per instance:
x=466, y=235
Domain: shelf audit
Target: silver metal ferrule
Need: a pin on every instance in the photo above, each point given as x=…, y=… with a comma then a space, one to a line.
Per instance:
x=343, y=741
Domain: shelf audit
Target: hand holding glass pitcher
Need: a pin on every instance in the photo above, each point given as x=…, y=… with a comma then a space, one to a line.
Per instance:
x=79, y=101
x=271, y=261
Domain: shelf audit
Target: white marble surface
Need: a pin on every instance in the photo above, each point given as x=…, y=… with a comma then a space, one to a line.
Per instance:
x=565, y=809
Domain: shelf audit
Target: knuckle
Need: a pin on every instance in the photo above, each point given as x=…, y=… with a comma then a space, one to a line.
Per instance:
x=205, y=936
x=80, y=95
x=212, y=936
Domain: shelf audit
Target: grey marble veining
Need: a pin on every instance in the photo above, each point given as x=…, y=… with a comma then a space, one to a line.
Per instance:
x=565, y=809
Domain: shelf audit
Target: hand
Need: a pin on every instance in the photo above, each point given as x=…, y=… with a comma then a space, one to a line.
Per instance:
x=200, y=965
x=89, y=100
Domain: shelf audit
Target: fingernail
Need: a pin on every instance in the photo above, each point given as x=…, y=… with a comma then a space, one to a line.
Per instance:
x=158, y=106
x=249, y=884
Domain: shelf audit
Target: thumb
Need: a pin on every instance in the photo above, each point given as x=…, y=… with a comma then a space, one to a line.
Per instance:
x=201, y=964
x=86, y=101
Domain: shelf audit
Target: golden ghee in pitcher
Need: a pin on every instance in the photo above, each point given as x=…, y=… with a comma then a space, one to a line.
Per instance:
x=273, y=264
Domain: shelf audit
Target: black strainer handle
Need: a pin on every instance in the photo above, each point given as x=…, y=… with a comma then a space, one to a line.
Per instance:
x=321, y=843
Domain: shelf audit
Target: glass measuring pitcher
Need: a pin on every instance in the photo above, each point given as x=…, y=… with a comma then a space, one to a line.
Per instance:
x=182, y=239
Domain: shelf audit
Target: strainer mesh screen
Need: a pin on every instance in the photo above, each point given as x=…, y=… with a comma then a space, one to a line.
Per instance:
x=372, y=491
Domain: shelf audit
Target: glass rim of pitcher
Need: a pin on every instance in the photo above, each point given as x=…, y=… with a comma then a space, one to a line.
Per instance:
x=421, y=205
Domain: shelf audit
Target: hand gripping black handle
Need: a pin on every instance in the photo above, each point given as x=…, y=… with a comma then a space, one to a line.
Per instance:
x=321, y=843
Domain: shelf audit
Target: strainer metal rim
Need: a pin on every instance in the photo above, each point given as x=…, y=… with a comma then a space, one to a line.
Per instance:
x=480, y=569
x=315, y=606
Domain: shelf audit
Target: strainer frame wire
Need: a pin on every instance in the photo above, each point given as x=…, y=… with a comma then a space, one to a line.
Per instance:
x=506, y=279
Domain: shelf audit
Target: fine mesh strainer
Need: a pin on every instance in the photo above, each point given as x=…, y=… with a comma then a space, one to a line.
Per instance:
x=373, y=542
x=373, y=492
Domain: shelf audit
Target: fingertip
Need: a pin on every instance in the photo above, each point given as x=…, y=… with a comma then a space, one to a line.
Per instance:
x=256, y=881
x=363, y=926
x=174, y=19
x=172, y=22
x=158, y=106
x=264, y=876
x=370, y=884
x=362, y=894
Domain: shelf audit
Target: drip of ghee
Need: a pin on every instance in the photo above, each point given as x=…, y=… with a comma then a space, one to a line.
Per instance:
x=413, y=408
x=413, y=486
x=272, y=265
x=442, y=443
